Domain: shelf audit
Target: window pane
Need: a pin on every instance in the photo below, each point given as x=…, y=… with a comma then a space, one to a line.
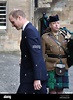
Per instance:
x=2, y=15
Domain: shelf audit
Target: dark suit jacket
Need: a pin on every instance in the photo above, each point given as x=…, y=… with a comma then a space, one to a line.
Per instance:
x=32, y=63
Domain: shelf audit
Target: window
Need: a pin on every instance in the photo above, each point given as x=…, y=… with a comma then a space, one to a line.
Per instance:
x=36, y=3
x=2, y=15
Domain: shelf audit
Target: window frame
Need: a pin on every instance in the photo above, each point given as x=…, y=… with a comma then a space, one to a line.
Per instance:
x=3, y=14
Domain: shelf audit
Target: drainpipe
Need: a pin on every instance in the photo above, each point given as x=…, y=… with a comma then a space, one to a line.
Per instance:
x=32, y=11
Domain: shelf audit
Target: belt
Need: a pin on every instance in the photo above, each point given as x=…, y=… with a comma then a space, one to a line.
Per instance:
x=57, y=56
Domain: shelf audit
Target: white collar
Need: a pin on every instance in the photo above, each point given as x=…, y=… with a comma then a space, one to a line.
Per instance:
x=25, y=25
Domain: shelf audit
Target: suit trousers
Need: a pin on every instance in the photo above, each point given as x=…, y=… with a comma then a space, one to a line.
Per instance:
x=27, y=88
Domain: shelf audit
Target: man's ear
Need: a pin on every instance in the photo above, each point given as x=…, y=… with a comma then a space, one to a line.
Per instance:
x=19, y=17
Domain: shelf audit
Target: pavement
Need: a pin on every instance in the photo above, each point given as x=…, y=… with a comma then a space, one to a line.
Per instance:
x=10, y=71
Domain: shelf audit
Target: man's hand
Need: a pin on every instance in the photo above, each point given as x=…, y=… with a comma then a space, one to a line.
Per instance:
x=37, y=85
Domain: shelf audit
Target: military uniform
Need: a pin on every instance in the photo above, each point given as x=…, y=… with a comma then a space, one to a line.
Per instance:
x=53, y=53
x=50, y=47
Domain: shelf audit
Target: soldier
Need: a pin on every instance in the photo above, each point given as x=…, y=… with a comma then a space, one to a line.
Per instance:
x=53, y=43
x=33, y=73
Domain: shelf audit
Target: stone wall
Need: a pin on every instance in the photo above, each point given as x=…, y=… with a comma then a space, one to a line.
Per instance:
x=64, y=9
x=10, y=38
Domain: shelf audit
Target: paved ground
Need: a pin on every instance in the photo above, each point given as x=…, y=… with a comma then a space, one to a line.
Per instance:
x=9, y=73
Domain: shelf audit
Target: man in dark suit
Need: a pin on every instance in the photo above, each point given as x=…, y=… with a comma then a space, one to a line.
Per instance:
x=33, y=73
